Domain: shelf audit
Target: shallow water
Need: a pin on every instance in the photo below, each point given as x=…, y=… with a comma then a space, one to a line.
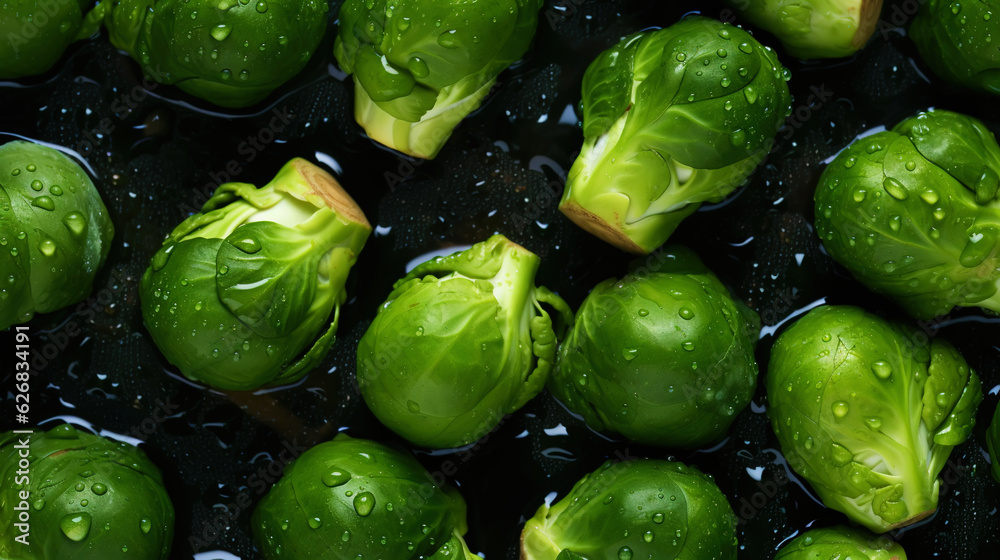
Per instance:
x=156, y=154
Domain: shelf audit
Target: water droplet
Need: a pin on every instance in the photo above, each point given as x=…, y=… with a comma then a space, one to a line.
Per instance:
x=849, y=162
x=643, y=312
x=624, y=553
x=145, y=525
x=336, y=477
x=911, y=165
x=76, y=526
x=418, y=67
x=226, y=73
x=223, y=270
x=859, y=195
x=841, y=456
x=750, y=94
x=44, y=202
x=681, y=57
x=99, y=489
x=346, y=536
x=38, y=505
x=895, y=188
x=221, y=31
x=36, y=185
x=315, y=522
x=725, y=82
x=882, y=369
x=413, y=406
x=982, y=241
x=746, y=47
x=47, y=247
x=448, y=40
x=686, y=314
x=688, y=345
x=31, y=167
x=629, y=353
x=56, y=190
x=895, y=223
x=647, y=536
x=724, y=33
x=261, y=7
x=722, y=53
x=930, y=196
x=658, y=517
x=873, y=423
x=840, y=409
x=364, y=503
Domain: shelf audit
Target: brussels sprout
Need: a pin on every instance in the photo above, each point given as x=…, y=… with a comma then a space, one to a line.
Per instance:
x=35, y=33
x=841, y=542
x=913, y=213
x=671, y=118
x=950, y=37
x=232, y=53
x=54, y=230
x=87, y=497
x=867, y=411
x=461, y=341
x=637, y=509
x=814, y=28
x=354, y=498
x=663, y=358
x=419, y=68
x=239, y=293
x=993, y=443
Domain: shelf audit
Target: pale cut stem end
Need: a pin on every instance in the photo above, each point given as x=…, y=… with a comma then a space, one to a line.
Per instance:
x=326, y=187
x=911, y=520
x=601, y=228
x=869, y=12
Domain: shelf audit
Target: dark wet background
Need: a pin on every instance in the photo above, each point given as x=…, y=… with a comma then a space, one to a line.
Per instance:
x=160, y=152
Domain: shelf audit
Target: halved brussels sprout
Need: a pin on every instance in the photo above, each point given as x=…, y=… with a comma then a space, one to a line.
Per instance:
x=671, y=118
x=354, y=498
x=85, y=497
x=868, y=411
x=643, y=508
x=420, y=68
x=663, y=358
x=55, y=232
x=460, y=342
x=240, y=295
x=814, y=28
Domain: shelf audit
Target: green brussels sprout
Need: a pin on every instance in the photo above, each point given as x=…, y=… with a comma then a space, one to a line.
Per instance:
x=841, y=542
x=867, y=411
x=232, y=53
x=419, y=68
x=84, y=497
x=950, y=37
x=240, y=295
x=354, y=498
x=671, y=118
x=35, y=33
x=913, y=213
x=635, y=509
x=54, y=230
x=993, y=443
x=461, y=341
x=814, y=28
x=663, y=358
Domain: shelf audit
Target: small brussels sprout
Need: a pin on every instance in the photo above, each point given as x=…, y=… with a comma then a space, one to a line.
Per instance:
x=87, y=497
x=54, y=231
x=35, y=33
x=354, y=498
x=232, y=53
x=867, y=411
x=419, y=68
x=814, y=28
x=636, y=509
x=663, y=358
x=913, y=213
x=950, y=37
x=240, y=295
x=460, y=342
x=671, y=118
x=840, y=542
x=993, y=443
